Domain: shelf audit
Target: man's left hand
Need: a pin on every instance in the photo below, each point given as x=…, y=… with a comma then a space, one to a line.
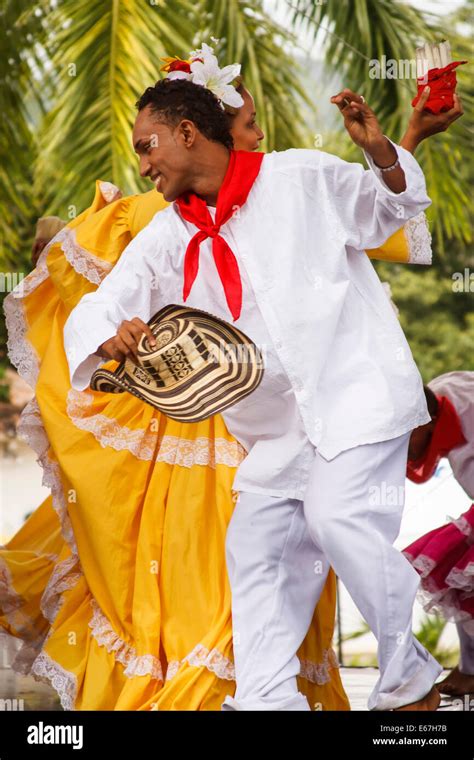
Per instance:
x=364, y=129
x=359, y=120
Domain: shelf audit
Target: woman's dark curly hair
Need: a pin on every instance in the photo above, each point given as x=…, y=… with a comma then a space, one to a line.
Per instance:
x=175, y=99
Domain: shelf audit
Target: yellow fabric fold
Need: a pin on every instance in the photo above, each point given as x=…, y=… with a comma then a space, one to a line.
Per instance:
x=394, y=249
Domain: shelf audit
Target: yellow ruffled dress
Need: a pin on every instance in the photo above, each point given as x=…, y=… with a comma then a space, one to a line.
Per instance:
x=117, y=583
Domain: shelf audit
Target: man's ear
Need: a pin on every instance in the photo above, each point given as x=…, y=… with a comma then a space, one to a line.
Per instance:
x=187, y=130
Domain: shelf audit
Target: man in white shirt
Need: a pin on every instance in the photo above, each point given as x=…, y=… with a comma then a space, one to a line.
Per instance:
x=327, y=429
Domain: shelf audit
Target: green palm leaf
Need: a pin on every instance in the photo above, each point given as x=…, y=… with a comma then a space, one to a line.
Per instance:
x=250, y=36
x=356, y=32
x=86, y=63
x=104, y=55
x=19, y=101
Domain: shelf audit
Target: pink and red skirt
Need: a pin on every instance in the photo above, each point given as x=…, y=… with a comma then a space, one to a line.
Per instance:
x=444, y=558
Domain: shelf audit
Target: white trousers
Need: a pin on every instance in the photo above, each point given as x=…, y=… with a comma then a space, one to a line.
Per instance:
x=278, y=553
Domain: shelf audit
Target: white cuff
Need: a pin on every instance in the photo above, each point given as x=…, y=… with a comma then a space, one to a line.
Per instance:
x=80, y=352
x=82, y=375
x=414, y=178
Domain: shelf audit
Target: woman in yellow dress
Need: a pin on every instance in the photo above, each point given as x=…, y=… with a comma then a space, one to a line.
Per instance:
x=117, y=583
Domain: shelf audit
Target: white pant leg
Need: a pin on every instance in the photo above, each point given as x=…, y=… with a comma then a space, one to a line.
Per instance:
x=354, y=506
x=466, y=660
x=276, y=574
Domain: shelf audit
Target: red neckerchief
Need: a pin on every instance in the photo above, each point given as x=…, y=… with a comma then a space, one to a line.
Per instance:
x=442, y=84
x=241, y=173
x=446, y=436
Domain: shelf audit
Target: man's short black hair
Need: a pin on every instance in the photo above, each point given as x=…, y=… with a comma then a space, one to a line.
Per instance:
x=175, y=99
x=431, y=401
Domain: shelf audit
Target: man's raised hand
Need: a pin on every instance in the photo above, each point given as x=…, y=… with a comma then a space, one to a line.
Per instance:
x=359, y=120
x=365, y=131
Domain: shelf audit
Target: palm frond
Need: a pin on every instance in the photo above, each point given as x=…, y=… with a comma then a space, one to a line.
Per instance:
x=103, y=55
x=20, y=99
x=355, y=33
x=247, y=34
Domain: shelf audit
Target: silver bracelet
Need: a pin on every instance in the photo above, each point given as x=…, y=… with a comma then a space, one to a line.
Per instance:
x=388, y=168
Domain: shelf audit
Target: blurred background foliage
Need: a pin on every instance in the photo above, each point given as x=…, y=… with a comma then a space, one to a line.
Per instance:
x=429, y=633
x=71, y=71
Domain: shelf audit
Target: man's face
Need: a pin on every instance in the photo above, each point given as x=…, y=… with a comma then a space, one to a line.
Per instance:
x=164, y=153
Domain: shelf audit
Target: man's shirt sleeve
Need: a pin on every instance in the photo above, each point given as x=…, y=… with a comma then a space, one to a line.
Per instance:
x=353, y=202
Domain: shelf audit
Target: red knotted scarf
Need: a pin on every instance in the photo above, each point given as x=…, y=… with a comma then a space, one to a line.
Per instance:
x=242, y=171
x=447, y=435
x=442, y=84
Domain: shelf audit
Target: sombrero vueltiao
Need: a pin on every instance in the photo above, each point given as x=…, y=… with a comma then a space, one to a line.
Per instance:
x=200, y=366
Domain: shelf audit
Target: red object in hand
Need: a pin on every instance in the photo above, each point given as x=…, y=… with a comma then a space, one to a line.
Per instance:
x=442, y=84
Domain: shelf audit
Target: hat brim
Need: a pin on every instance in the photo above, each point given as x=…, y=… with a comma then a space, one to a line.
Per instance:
x=210, y=390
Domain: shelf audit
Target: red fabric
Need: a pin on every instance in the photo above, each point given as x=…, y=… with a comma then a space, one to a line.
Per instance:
x=444, y=558
x=442, y=84
x=447, y=435
x=242, y=172
x=179, y=66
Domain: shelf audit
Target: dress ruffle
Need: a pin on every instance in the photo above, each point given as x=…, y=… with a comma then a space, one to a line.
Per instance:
x=444, y=558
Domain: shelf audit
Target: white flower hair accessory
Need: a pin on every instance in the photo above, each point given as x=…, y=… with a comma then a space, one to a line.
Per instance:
x=202, y=67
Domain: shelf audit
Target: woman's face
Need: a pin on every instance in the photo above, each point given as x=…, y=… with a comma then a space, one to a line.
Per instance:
x=245, y=130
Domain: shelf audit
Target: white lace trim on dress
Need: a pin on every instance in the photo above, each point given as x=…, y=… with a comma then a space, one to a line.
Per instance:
x=20, y=351
x=109, y=191
x=93, y=268
x=135, y=665
x=199, y=657
x=319, y=672
x=64, y=577
x=462, y=579
x=67, y=572
x=444, y=603
x=418, y=237
x=32, y=431
x=11, y=605
x=62, y=681
x=147, y=445
x=33, y=660
x=463, y=525
x=425, y=565
x=224, y=668
x=32, y=638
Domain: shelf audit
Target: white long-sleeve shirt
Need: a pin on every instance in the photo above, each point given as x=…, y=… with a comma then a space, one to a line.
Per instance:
x=299, y=242
x=267, y=423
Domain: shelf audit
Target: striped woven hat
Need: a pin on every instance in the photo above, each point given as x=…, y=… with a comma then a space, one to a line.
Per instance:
x=200, y=366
